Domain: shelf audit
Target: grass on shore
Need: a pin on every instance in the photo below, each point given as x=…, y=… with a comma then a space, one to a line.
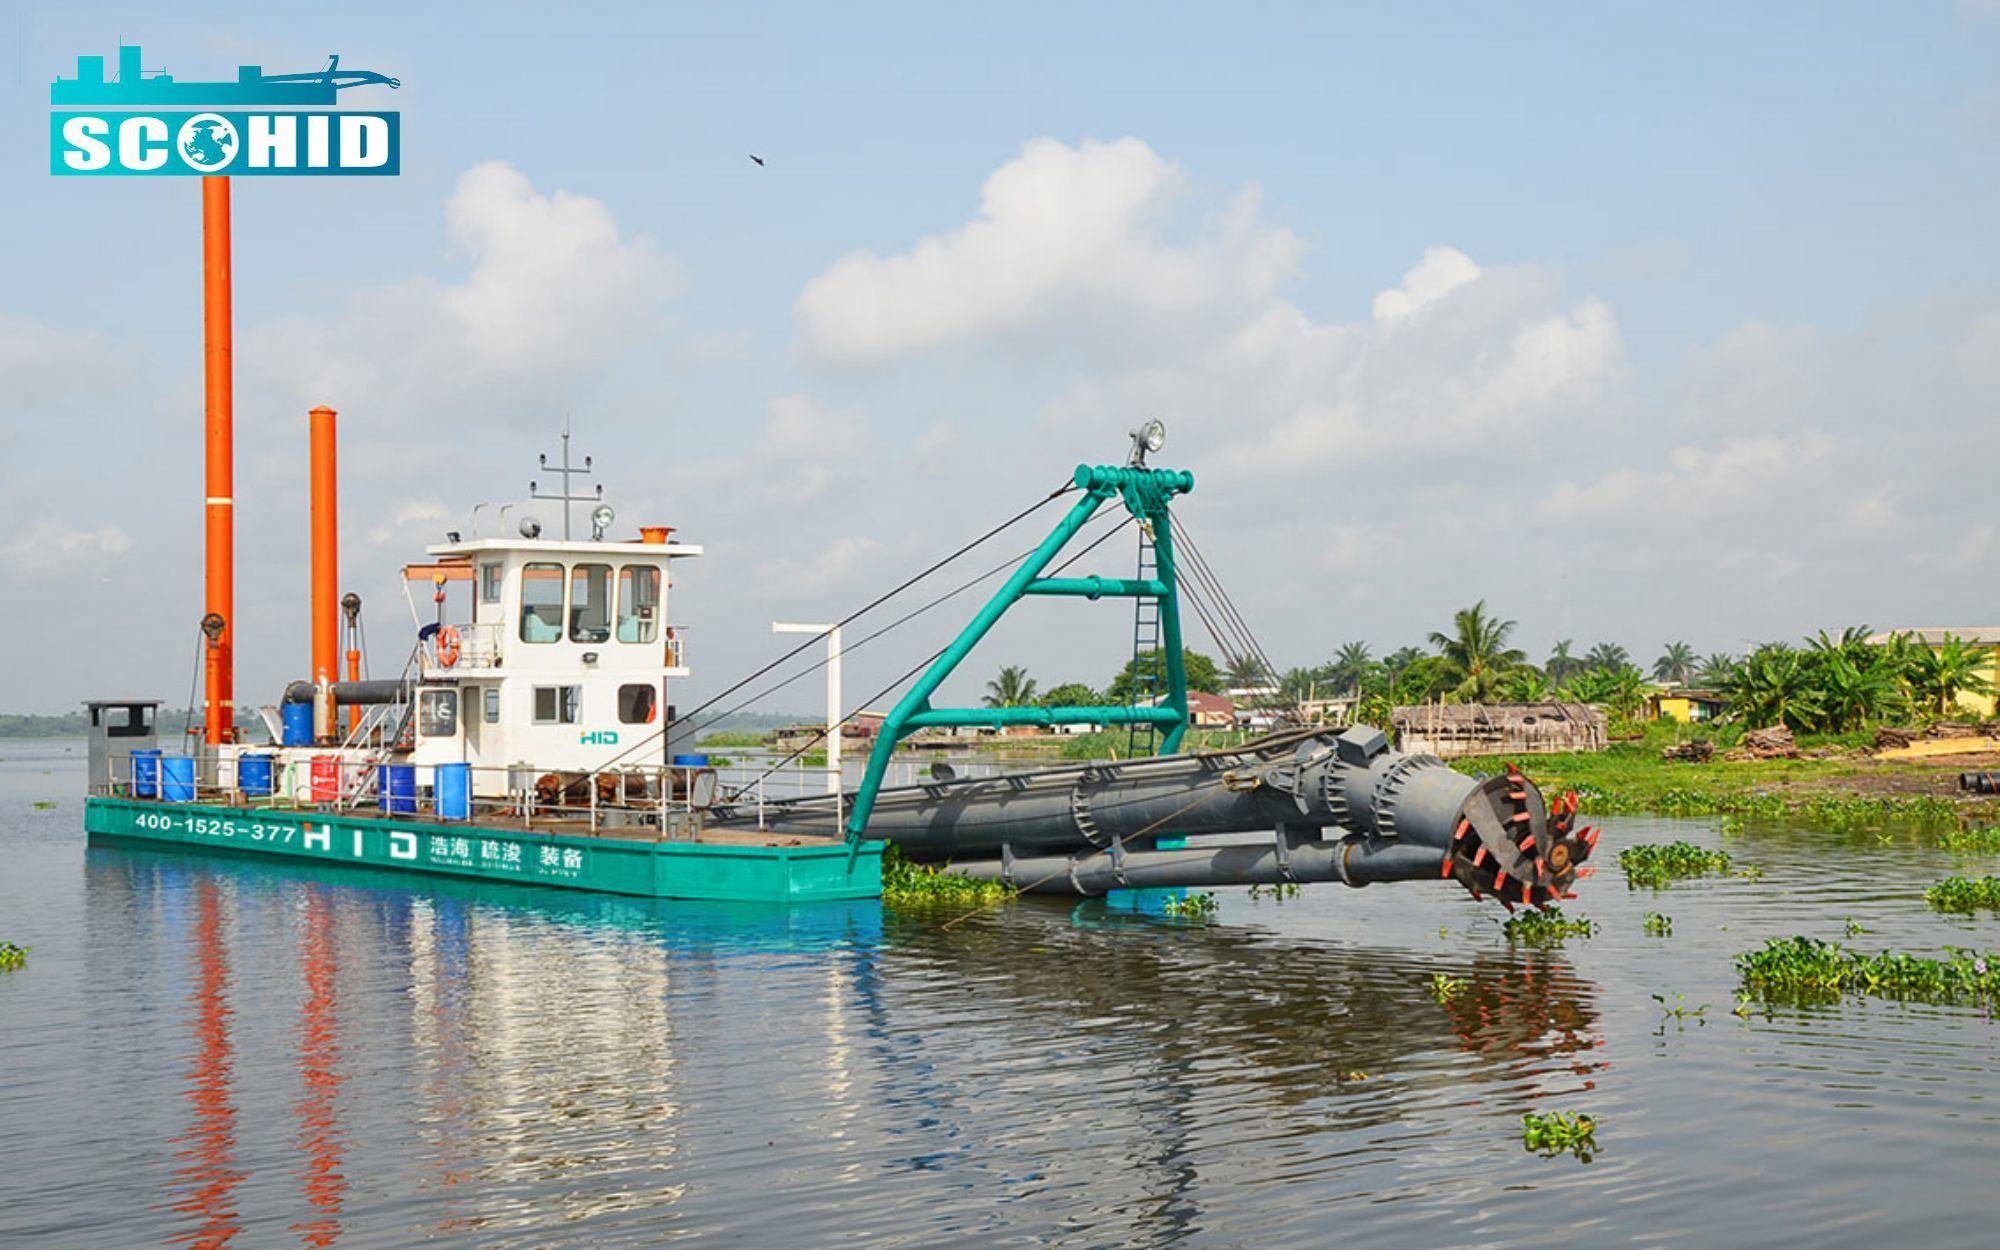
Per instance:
x=1631, y=777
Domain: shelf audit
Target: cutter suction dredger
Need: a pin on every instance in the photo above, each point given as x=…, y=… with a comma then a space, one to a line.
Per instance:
x=1331, y=806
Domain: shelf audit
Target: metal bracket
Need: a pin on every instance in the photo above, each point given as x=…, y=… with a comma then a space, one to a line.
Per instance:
x=1282, y=840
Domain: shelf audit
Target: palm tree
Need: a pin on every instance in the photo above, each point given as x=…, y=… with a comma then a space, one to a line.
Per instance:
x=1716, y=667
x=1608, y=656
x=1246, y=672
x=1561, y=662
x=1400, y=659
x=1526, y=684
x=1773, y=687
x=1941, y=672
x=1351, y=666
x=1676, y=664
x=1012, y=688
x=1477, y=649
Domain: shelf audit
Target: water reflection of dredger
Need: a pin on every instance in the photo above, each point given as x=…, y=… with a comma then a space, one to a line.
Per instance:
x=1302, y=1015
x=319, y=1132
x=209, y=1174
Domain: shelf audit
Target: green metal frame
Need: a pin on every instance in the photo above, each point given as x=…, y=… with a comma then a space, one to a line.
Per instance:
x=1146, y=494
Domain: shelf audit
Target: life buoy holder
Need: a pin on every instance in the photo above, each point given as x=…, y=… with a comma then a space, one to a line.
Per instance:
x=447, y=646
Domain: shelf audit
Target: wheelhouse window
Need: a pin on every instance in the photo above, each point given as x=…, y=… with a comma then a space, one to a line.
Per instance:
x=492, y=705
x=489, y=583
x=638, y=603
x=541, y=603
x=557, y=705
x=637, y=704
x=437, y=713
x=590, y=603
x=126, y=722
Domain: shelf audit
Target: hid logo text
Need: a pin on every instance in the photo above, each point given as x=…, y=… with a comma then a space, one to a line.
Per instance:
x=257, y=124
x=601, y=738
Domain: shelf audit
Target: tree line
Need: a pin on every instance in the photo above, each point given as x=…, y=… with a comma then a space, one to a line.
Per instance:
x=1828, y=683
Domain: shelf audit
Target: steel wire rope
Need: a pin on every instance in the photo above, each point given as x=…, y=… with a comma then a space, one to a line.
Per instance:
x=870, y=606
x=1206, y=574
x=849, y=649
x=884, y=692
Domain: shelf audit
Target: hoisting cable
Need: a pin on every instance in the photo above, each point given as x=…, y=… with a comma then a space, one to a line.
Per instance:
x=1206, y=575
x=850, y=648
x=194, y=684
x=870, y=606
x=816, y=738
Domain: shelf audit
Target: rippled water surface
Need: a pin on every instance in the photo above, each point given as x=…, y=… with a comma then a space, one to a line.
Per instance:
x=205, y=1050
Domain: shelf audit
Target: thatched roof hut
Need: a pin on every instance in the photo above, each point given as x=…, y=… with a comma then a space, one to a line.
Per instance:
x=1453, y=729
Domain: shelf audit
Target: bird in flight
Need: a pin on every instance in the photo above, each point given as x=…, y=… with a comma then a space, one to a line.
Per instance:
x=757, y=158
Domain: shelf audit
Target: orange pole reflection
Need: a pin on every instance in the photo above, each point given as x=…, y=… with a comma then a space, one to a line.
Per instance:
x=210, y=1143
x=319, y=1058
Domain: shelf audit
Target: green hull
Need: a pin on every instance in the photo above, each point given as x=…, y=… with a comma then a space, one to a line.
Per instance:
x=684, y=870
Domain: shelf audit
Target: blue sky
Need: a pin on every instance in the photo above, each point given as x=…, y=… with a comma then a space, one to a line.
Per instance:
x=1721, y=340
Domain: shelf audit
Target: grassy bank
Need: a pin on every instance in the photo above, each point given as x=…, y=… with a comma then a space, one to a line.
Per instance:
x=1835, y=778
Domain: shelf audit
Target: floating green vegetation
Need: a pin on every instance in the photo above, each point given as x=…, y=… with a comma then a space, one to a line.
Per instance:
x=1973, y=840
x=1678, y=1010
x=1548, y=927
x=12, y=956
x=1445, y=988
x=1807, y=968
x=1557, y=1133
x=1657, y=925
x=1965, y=894
x=1281, y=891
x=1855, y=928
x=911, y=886
x=1198, y=905
x=1655, y=864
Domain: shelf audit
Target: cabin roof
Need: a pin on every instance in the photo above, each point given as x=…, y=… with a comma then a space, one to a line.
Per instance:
x=556, y=546
x=1985, y=635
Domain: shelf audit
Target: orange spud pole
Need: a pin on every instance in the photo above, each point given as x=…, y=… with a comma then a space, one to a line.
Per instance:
x=219, y=531
x=325, y=548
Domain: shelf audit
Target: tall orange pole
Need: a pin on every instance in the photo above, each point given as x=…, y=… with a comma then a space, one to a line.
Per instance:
x=218, y=374
x=325, y=549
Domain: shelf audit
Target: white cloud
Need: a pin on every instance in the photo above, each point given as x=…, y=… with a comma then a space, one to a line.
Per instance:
x=1695, y=482
x=53, y=550
x=553, y=292
x=830, y=571
x=1068, y=240
x=45, y=368
x=1442, y=271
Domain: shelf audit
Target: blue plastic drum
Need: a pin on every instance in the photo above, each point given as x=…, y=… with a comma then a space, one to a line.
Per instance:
x=177, y=778
x=298, y=724
x=690, y=761
x=454, y=791
x=399, y=789
x=146, y=774
x=253, y=775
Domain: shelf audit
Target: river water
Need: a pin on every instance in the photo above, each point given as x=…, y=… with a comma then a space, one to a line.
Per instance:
x=207, y=1051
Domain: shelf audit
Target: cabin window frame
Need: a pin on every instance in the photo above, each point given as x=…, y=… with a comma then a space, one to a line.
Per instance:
x=572, y=617
x=492, y=579
x=533, y=611
x=565, y=705
x=644, y=705
x=429, y=722
x=648, y=618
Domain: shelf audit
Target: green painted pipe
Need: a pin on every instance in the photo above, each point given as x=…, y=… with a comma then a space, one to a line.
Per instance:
x=1098, y=587
x=998, y=717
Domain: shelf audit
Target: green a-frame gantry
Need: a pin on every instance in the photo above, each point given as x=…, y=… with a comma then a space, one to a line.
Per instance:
x=1146, y=494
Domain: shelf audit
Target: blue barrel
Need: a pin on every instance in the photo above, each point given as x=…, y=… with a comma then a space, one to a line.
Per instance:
x=146, y=774
x=454, y=791
x=177, y=778
x=298, y=724
x=690, y=761
x=253, y=775
x=399, y=789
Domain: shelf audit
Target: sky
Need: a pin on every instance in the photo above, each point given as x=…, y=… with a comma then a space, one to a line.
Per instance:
x=1640, y=323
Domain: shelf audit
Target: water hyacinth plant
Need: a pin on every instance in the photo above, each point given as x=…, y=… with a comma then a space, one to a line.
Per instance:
x=1198, y=905
x=1547, y=927
x=1657, y=863
x=12, y=956
x=1965, y=894
x=1970, y=841
x=1445, y=988
x=909, y=886
x=1555, y=1132
x=1657, y=925
x=1807, y=968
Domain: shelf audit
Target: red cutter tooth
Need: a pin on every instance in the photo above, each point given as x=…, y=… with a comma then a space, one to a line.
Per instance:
x=1527, y=844
x=1519, y=817
x=1527, y=893
x=1569, y=894
x=1588, y=870
x=1479, y=857
x=1590, y=836
x=1447, y=868
x=1499, y=880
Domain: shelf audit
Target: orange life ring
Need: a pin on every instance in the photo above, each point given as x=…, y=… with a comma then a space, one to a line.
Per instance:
x=447, y=645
